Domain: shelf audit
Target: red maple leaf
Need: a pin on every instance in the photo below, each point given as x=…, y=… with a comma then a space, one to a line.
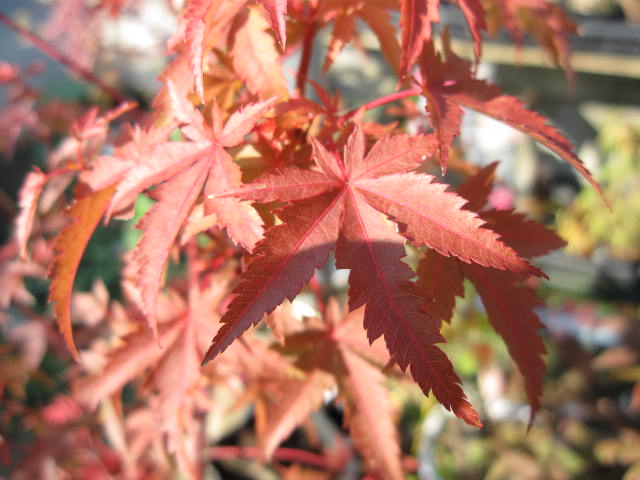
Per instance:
x=343, y=206
x=375, y=13
x=416, y=17
x=509, y=304
x=337, y=348
x=449, y=85
x=546, y=22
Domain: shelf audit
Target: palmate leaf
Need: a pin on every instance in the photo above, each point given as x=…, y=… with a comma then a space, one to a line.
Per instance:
x=344, y=206
x=255, y=56
x=182, y=170
x=509, y=305
x=545, y=21
x=345, y=13
x=449, y=85
x=416, y=17
x=338, y=348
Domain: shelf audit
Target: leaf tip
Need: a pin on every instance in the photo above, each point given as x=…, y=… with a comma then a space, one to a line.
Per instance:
x=467, y=413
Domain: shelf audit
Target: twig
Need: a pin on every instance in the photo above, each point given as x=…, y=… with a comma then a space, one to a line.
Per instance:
x=60, y=57
x=307, y=50
x=383, y=100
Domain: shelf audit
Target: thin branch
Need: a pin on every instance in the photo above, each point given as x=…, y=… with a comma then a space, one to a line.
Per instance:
x=383, y=101
x=65, y=60
x=307, y=50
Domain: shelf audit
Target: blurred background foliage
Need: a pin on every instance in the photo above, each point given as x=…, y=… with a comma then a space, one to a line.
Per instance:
x=589, y=425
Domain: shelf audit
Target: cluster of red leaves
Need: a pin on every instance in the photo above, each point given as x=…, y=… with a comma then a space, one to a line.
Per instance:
x=255, y=185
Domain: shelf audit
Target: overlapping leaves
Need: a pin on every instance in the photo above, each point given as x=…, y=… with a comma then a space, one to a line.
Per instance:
x=345, y=205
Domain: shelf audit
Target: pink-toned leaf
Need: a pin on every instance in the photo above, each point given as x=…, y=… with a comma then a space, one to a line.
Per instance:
x=296, y=400
x=242, y=122
x=328, y=163
x=380, y=22
x=241, y=220
x=195, y=16
x=194, y=126
x=344, y=29
x=397, y=154
x=256, y=59
x=369, y=415
x=415, y=20
x=162, y=162
x=291, y=184
x=161, y=226
x=474, y=14
x=140, y=351
x=277, y=10
x=85, y=213
x=28, y=202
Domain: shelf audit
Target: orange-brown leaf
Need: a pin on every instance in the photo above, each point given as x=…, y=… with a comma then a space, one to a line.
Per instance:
x=85, y=213
x=256, y=58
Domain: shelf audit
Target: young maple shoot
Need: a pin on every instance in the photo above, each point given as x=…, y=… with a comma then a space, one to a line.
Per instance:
x=263, y=184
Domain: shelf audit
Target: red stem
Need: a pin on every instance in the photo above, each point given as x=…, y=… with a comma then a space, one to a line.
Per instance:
x=383, y=100
x=60, y=57
x=307, y=50
x=282, y=454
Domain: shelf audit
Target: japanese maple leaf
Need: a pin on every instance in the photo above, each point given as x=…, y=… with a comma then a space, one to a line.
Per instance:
x=255, y=57
x=207, y=22
x=182, y=170
x=416, y=17
x=202, y=25
x=338, y=348
x=546, y=22
x=449, y=85
x=509, y=305
x=170, y=371
x=85, y=213
x=277, y=10
x=375, y=13
x=343, y=206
